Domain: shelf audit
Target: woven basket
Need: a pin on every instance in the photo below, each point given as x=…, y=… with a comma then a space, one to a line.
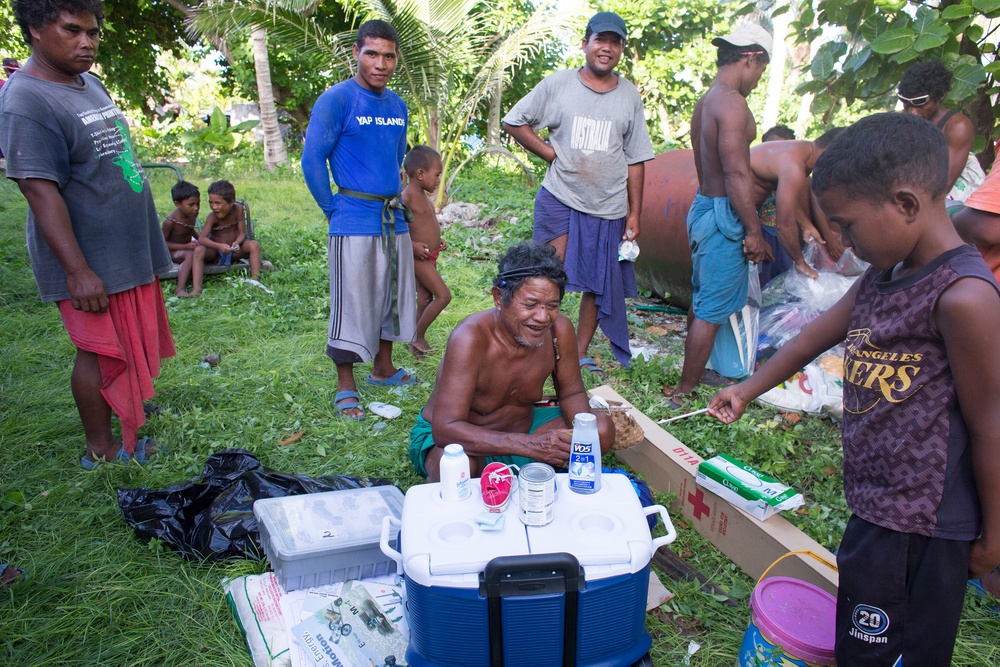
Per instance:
x=628, y=433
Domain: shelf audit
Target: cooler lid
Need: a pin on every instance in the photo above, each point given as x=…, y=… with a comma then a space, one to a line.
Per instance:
x=603, y=528
x=444, y=538
x=329, y=522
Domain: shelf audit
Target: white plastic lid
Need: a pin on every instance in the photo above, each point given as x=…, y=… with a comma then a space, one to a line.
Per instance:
x=584, y=419
x=327, y=522
x=454, y=450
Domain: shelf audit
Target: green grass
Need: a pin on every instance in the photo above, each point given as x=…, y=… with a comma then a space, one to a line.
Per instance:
x=97, y=596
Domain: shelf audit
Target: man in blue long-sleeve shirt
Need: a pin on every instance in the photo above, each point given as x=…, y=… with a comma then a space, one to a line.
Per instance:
x=358, y=131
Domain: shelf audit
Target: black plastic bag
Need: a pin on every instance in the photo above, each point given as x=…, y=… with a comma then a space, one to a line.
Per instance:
x=212, y=518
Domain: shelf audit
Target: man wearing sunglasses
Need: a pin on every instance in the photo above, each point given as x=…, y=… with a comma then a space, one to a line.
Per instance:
x=922, y=90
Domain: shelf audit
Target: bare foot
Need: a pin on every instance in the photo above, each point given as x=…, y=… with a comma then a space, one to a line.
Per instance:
x=420, y=349
x=352, y=412
x=190, y=295
x=183, y=294
x=991, y=583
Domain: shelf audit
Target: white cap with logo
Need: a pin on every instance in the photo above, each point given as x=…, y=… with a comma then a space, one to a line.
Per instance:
x=747, y=34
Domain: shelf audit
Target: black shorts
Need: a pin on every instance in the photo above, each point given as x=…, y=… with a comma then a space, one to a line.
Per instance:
x=900, y=597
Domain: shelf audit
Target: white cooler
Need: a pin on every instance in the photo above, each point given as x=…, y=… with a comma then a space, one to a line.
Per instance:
x=572, y=592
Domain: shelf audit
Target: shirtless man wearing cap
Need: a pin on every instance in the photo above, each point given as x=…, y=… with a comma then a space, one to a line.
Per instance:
x=723, y=226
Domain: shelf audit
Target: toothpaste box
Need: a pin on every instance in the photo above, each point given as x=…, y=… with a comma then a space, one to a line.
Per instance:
x=750, y=490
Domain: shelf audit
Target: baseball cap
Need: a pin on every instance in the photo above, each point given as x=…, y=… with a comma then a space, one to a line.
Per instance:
x=747, y=34
x=608, y=22
x=11, y=64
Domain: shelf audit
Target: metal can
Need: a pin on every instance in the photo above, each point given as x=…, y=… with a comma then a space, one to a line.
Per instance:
x=536, y=493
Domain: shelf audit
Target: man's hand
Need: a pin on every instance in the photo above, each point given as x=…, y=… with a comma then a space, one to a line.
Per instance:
x=756, y=249
x=420, y=251
x=982, y=559
x=87, y=291
x=552, y=447
x=631, y=229
x=806, y=270
x=835, y=248
x=727, y=406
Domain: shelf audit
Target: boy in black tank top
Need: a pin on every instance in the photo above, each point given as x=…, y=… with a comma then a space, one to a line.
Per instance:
x=921, y=390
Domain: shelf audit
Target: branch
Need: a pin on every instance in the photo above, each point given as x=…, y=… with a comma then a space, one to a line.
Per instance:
x=217, y=42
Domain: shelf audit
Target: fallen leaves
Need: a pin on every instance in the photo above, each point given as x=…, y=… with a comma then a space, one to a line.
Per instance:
x=289, y=439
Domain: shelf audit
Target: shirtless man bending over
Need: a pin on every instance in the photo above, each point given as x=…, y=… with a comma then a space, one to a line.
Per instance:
x=493, y=371
x=781, y=169
x=723, y=226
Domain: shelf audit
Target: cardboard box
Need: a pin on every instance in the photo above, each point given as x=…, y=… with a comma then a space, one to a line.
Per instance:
x=745, y=487
x=669, y=466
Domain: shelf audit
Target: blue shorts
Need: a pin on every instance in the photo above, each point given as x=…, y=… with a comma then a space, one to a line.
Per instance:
x=719, y=268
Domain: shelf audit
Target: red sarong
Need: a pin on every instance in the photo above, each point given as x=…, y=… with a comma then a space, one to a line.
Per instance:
x=129, y=339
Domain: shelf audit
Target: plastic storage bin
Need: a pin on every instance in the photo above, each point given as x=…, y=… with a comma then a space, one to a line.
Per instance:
x=322, y=538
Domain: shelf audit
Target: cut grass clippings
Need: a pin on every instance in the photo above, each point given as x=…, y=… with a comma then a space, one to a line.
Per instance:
x=95, y=595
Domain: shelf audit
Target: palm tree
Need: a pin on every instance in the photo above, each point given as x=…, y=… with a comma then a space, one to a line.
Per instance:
x=275, y=152
x=221, y=20
x=453, y=56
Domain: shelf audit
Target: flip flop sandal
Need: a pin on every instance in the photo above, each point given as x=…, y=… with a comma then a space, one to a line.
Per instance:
x=713, y=379
x=674, y=404
x=394, y=380
x=384, y=410
x=356, y=403
x=10, y=575
x=588, y=364
x=140, y=454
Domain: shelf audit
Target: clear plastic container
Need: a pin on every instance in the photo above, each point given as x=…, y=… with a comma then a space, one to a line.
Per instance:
x=322, y=538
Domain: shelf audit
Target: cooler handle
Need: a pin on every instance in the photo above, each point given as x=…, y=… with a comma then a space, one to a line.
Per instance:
x=671, y=533
x=388, y=521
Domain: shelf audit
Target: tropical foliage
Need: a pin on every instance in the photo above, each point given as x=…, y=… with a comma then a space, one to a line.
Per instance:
x=877, y=40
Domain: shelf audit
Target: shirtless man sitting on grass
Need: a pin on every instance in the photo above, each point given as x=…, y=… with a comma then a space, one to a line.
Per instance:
x=225, y=231
x=493, y=371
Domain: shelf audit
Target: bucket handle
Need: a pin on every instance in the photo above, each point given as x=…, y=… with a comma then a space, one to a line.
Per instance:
x=799, y=552
x=388, y=521
x=671, y=532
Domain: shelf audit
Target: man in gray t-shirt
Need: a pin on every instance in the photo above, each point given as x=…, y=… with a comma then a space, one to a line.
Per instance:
x=591, y=196
x=92, y=231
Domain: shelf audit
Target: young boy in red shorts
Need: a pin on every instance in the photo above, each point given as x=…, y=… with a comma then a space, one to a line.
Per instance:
x=921, y=431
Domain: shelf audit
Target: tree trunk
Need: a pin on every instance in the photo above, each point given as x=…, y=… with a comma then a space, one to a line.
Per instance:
x=776, y=76
x=274, y=145
x=493, y=120
x=434, y=128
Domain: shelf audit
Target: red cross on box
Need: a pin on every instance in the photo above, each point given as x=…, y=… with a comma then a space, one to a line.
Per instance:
x=697, y=500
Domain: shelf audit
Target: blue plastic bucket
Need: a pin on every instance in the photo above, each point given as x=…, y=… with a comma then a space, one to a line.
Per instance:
x=791, y=623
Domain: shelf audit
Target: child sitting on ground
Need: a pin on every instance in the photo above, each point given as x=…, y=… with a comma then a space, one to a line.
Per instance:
x=225, y=232
x=921, y=430
x=180, y=229
x=423, y=167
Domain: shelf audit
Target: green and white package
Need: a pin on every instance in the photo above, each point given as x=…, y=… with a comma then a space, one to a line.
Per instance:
x=750, y=490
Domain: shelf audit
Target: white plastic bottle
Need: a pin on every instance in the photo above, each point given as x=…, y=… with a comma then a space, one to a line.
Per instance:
x=456, y=482
x=585, y=455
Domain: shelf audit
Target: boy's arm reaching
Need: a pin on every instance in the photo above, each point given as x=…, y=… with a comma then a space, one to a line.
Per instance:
x=817, y=337
x=968, y=317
